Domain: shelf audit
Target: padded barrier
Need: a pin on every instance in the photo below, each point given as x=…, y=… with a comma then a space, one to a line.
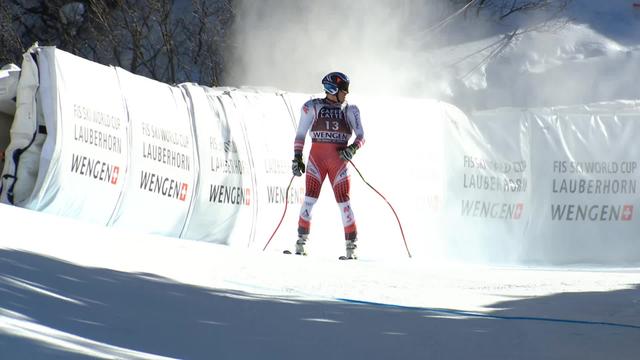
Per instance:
x=163, y=164
x=9, y=76
x=102, y=145
x=22, y=155
x=556, y=185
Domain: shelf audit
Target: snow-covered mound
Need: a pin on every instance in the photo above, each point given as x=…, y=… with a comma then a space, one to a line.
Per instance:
x=576, y=65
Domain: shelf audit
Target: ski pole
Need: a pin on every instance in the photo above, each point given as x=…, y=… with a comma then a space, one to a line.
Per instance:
x=388, y=203
x=286, y=202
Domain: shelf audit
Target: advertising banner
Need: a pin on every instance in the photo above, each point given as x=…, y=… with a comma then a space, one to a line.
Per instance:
x=586, y=200
x=163, y=163
x=488, y=185
x=269, y=132
x=551, y=186
x=223, y=210
x=86, y=147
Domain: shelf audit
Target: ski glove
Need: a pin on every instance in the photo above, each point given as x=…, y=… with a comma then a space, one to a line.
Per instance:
x=297, y=165
x=348, y=152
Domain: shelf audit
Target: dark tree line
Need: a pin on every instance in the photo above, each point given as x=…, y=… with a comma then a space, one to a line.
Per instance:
x=170, y=41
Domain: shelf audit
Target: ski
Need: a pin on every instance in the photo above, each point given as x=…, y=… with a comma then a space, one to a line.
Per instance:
x=290, y=253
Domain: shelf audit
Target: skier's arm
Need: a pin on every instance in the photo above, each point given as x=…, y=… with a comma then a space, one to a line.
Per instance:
x=306, y=120
x=353, y=117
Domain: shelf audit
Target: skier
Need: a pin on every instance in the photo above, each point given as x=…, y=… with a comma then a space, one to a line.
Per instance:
x=331, y=122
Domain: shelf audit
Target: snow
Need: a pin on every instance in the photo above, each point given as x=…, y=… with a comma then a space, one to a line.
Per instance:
x=71, y=290
x=409, y=49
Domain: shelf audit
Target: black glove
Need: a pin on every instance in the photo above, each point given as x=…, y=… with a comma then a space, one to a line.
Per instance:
x=348, y=152
x=297, y=165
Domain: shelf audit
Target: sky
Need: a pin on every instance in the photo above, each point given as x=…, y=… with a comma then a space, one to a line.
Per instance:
x=71, y=290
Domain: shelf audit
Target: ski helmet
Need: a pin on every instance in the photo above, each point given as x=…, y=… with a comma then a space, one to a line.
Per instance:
x=335, y=81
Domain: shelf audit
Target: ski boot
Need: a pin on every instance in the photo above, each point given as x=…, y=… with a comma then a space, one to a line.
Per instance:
x=351, y=250
x=300, y=244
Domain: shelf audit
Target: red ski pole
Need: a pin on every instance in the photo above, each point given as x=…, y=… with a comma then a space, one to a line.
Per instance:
x=388, y=203
x=286, y=202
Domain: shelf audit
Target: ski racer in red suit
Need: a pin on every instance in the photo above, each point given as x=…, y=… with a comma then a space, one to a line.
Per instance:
x=331, y=122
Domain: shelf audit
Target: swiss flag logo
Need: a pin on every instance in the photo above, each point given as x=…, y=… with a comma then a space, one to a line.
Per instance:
x=247, y=196
x=114, y=177
x=627, y=212
x=183, y=192
x=518, y=212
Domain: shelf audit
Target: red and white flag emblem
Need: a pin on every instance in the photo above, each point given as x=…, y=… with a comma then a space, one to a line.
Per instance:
x=183, y=192
x=247, y=197
x=627, y=212
x=114, y=177
x=518, y=212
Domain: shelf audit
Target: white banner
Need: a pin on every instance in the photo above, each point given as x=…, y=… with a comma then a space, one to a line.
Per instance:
x=587, y=197
x=269, y=132
x=488, y=185
x=545, y=185
x=85, y=154
x=223, y=209
x=163, y=164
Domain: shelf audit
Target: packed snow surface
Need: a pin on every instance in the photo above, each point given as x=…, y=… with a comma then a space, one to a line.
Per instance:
x=72, y=291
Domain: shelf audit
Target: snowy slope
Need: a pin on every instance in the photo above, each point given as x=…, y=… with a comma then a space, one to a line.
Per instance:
x=72, y=290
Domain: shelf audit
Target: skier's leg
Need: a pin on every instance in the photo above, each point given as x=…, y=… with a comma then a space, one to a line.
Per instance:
x=313, y=185
x=341, y=183
x=350, y=232
x=304, y=221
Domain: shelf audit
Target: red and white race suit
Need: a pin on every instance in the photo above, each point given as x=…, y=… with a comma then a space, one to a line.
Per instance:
x=331, y=126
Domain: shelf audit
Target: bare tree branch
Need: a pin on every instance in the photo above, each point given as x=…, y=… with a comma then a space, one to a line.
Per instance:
x=168, y=40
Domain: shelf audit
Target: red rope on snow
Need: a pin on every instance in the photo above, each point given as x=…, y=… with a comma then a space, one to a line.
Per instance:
x=286, y=202
x=388, y=203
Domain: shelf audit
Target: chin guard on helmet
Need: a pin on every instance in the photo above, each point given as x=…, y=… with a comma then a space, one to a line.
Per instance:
x=335, y=81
